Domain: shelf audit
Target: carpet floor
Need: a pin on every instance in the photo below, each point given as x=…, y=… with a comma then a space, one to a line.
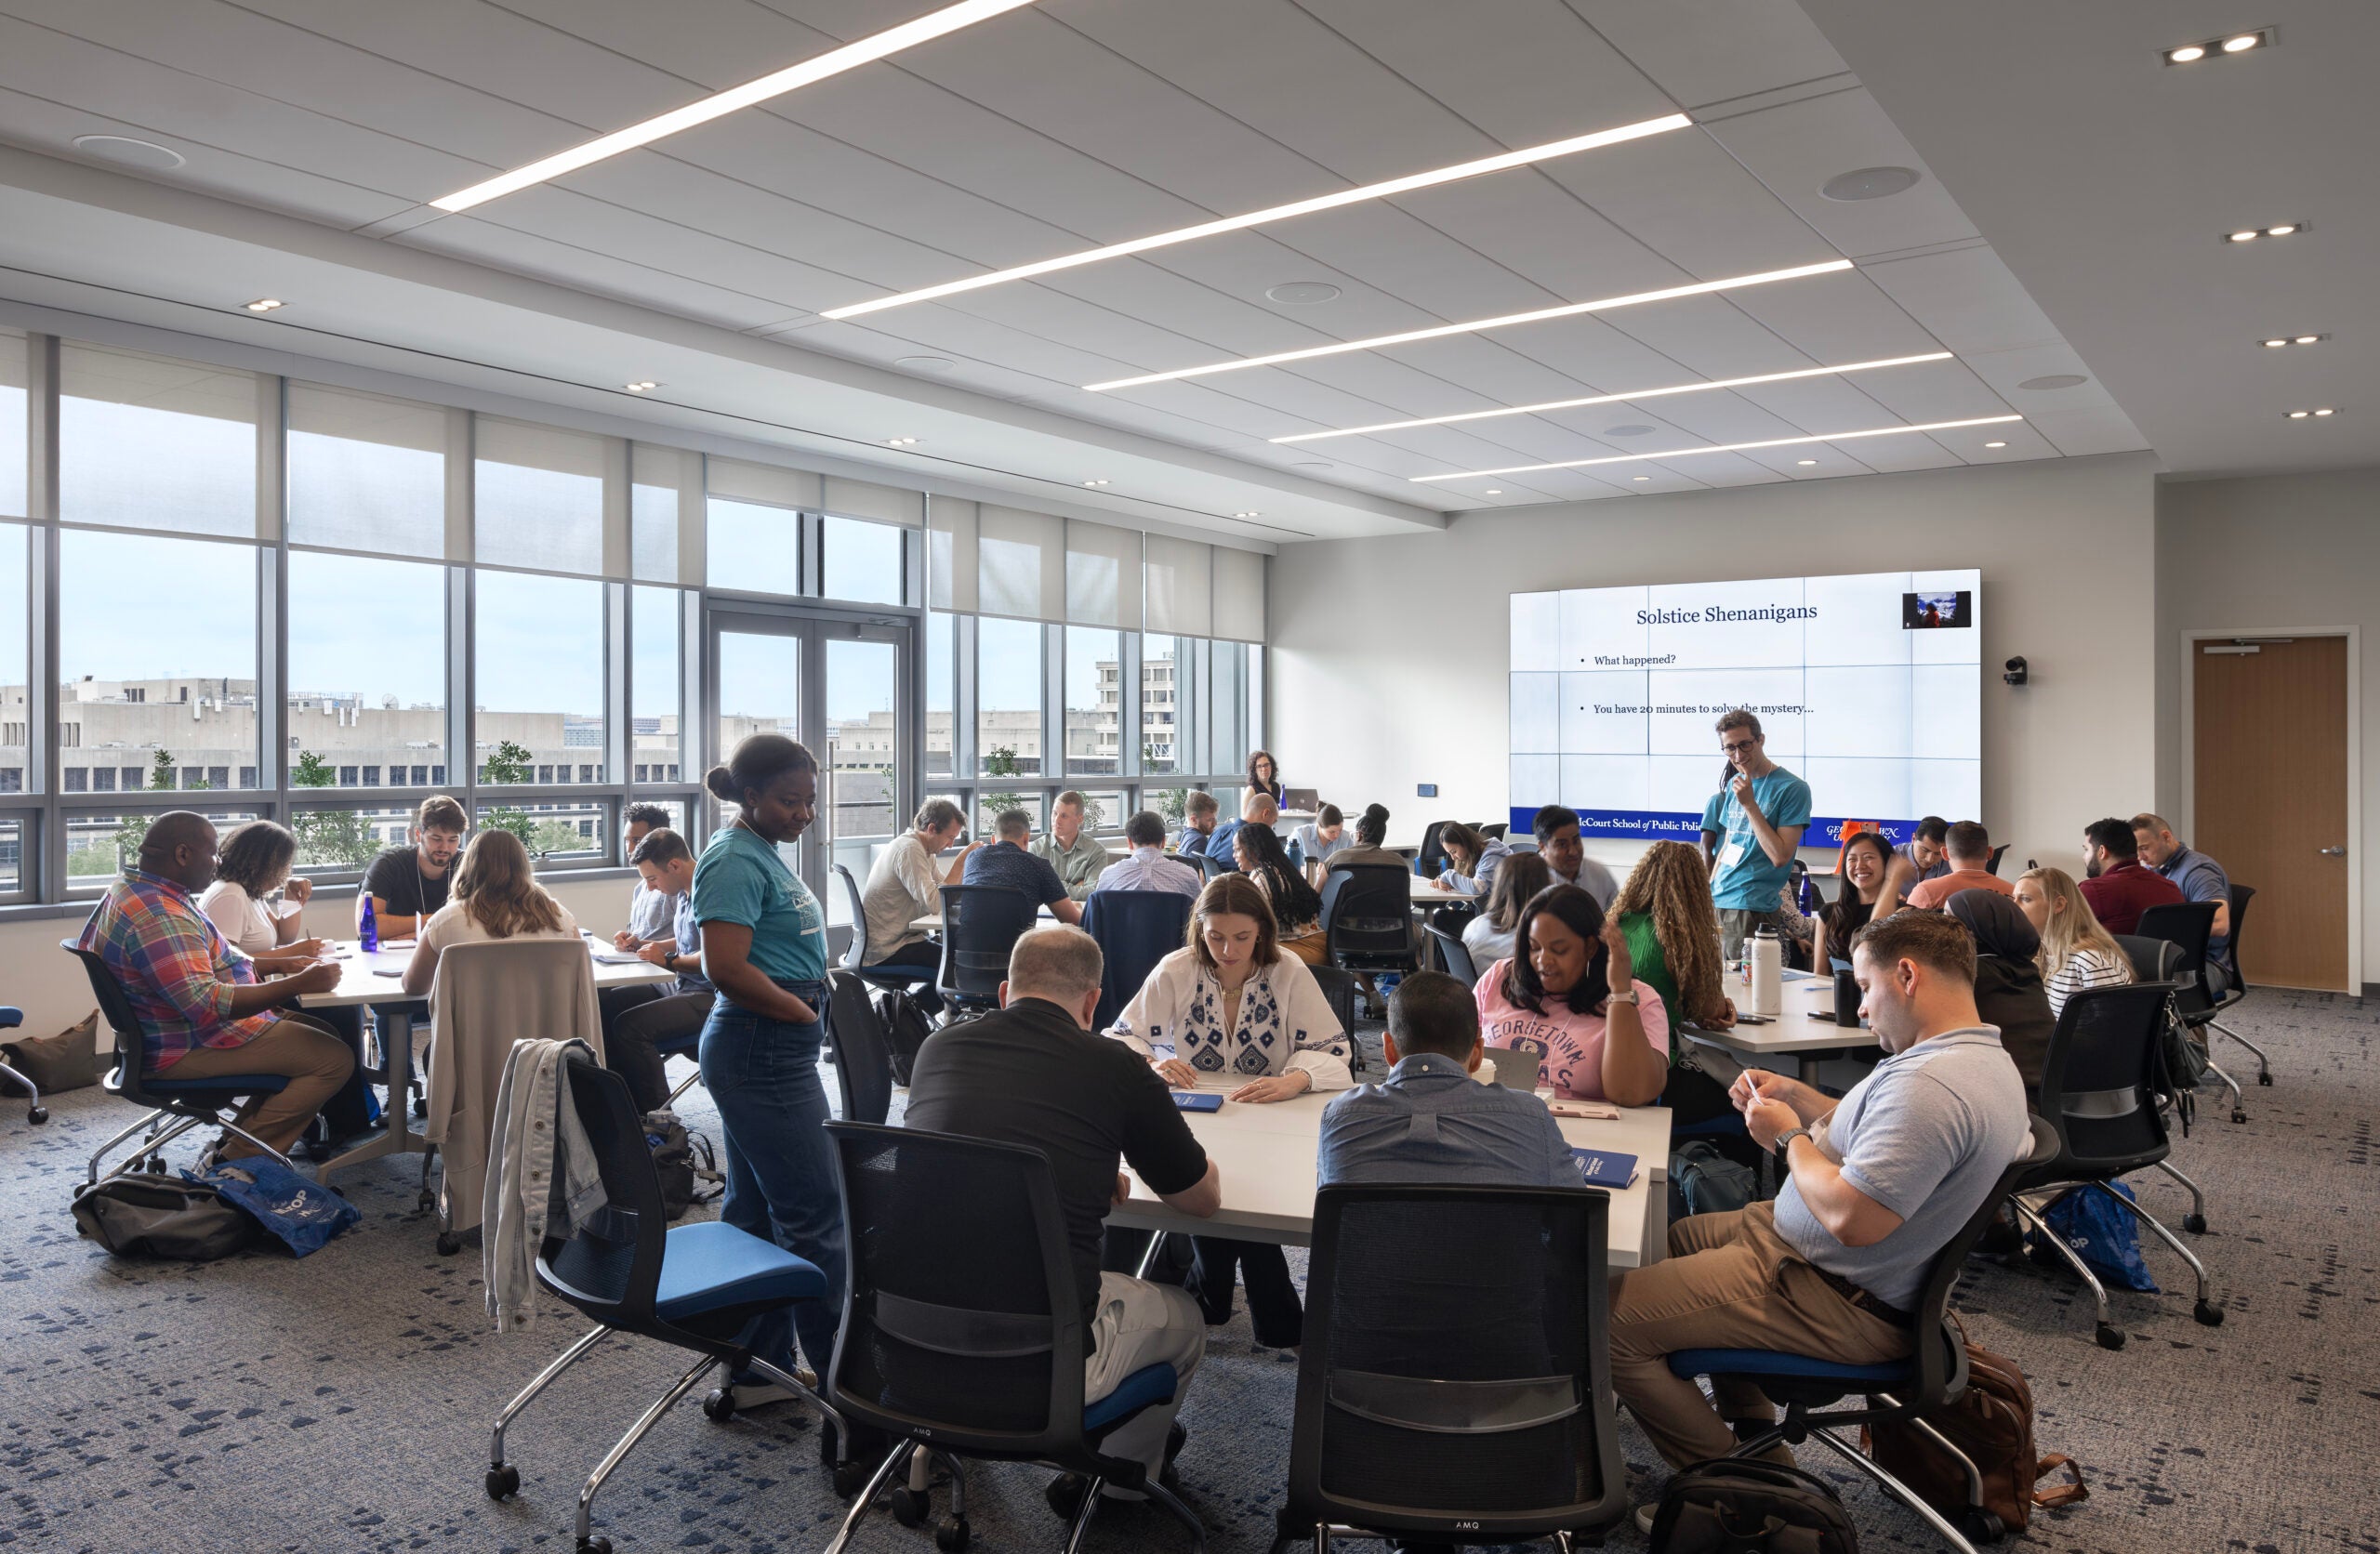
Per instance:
x=342, y=1403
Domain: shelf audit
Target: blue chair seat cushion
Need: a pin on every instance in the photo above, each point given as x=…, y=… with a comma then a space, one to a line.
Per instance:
x=228, y=1087
x=1149, y=1383
x=10, y=1017
x=1691, y=1363
x=710, y=1266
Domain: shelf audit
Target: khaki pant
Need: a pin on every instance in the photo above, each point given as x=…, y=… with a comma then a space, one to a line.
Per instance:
x=1730, y=1282
x=312, y=1057
x=1139, y=1324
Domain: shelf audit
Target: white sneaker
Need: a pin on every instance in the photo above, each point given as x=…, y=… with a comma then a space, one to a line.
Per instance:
x=1645, y=1514
x=762, y=1394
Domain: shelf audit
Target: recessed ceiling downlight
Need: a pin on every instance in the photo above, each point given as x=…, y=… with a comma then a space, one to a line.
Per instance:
x=1302, y=294
x=923, y=364
x=126, y=151
x=1869, y=183
x=2055, y=380
x=1631, y=429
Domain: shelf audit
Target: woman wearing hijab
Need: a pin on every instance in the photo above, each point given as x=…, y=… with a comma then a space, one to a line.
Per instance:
x=2008, y=991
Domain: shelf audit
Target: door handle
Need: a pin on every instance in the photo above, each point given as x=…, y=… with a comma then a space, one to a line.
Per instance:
x=2334, y=852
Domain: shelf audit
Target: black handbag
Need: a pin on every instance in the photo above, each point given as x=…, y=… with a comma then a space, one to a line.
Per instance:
x=139, y=1215
x=1746, y=1506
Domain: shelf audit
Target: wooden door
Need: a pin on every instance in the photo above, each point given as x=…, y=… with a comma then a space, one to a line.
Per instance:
x=2270, y=730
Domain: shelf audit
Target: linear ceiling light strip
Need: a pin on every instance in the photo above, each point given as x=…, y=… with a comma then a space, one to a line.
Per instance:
x=1442, y=331
x=1276, y=213
x=1627, y=396
x=834, y=62
x=1720, y=448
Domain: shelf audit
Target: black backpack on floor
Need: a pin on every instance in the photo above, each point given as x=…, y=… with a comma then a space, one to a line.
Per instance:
x=1746, y=1506
x=905, y=1025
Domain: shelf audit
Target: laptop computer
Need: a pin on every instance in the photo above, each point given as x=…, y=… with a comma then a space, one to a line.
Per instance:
x=1515, y=1069
x=1304, y=800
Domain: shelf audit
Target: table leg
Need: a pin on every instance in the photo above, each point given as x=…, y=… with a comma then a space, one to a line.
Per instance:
x=1809, y=1069
x=397, y=1136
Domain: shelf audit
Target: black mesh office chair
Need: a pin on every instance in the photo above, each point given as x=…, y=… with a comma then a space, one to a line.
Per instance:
x=1215, y=864
x=1493, y=830
x=1900, y=1389
x=1992, y=865
x=2201, y=1006
x=980, y=924
x=1135, y=929
x=702, y=1286
x=1430, y=859
x=2101, y=1082
x=1456, y=954
x=188, y=1102
x=1455, y=1382
x=863, y=1057
x=962, y=1330
x=1368, y=917
x=2187, y=925
x=859, y=953
x=36, y=1112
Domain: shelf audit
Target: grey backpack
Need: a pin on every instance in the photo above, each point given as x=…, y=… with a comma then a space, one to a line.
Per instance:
x=139, y=1215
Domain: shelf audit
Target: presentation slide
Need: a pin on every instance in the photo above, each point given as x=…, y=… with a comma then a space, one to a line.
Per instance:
x=1870, y=688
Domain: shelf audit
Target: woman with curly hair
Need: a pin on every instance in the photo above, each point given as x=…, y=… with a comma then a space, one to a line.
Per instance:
x=1664, y=908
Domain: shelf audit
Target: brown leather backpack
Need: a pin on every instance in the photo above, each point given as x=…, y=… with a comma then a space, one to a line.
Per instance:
x=1993, y=1423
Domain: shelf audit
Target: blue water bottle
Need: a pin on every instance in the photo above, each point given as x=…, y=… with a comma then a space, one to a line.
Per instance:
x=369, y=935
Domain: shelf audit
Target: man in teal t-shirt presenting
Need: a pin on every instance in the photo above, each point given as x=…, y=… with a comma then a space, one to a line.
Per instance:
x=1762, y=814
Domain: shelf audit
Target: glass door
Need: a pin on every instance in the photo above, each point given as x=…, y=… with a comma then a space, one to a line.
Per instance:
x=840, y=686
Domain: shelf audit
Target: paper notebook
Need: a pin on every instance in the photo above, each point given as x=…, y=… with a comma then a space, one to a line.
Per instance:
x=1199, y=1100
x=1606, y=1169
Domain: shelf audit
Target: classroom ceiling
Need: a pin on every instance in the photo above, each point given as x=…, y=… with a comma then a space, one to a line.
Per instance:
x=315, y=132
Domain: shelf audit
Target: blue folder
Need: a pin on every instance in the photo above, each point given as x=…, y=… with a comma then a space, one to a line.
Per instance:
x=1199, y=1100
x=1604, y=1168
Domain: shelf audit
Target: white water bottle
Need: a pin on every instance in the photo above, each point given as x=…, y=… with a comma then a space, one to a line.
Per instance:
x=1768, y=968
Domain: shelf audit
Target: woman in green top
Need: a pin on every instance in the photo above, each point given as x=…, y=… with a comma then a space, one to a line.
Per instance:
x=1673, y=943
x=764, y=949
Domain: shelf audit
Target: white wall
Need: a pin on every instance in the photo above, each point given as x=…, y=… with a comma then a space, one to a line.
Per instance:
x=49, y=985
x=2273, y=552
x=1391, y=656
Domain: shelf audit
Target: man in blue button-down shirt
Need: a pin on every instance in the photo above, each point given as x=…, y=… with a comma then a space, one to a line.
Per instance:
x=1430, y=1120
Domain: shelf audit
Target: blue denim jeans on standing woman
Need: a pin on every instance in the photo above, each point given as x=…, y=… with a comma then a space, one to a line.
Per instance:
x=762, y=1074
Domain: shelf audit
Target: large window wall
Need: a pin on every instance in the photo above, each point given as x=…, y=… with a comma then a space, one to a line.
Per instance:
x=320, y=605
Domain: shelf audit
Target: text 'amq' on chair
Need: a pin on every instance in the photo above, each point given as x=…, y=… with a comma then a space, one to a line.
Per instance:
x=1900, y=1390
x=703, y=1287
x=2102, y=1080
x=962, y=1329
x=1455, y=1384
x=175, y=1105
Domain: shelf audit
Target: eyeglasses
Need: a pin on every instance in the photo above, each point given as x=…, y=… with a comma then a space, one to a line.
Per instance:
x=1729, y=747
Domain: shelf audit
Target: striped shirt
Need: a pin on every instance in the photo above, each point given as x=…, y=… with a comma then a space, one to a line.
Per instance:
x=2085, y=968
x=174, y=965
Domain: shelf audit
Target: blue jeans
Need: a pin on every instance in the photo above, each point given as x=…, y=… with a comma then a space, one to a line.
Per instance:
x=762, y=1074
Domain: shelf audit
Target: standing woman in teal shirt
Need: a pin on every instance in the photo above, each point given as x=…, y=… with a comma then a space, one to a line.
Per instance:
x=764, y=949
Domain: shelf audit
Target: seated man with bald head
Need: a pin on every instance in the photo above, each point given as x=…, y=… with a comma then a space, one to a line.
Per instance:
x=1257, y=809
x=204, y=1011
x=1036, y=1074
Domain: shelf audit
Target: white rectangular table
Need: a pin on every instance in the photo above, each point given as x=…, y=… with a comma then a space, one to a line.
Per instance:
x=372, y=981
x=1803, y=1029
x=1267, y=1155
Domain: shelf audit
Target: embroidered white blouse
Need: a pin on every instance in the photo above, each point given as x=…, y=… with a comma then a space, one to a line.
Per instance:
x=1285, y=1022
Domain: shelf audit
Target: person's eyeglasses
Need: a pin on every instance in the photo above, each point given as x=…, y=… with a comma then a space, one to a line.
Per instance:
x=1731, y=747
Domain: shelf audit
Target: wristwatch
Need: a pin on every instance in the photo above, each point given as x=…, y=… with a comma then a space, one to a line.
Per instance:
x=1785, y=1139
x=1628, y=997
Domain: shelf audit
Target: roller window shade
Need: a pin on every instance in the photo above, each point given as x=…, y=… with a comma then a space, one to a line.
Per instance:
x=1102, y=576
x=665, y=513
x=764, y=483
x=950, y=554
x=367, y=473
x=14, y=378
x=537, y=497
x=1176, y=584
x=150, y=442
x=1021, y=565
x=1239, y=595
x=883, y=503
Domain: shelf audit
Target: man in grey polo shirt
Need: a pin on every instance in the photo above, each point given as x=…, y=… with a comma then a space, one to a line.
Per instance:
x=1878, y=1183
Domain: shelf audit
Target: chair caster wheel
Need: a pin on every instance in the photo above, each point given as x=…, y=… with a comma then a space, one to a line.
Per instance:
x=719, y=1406
x=1982, y=1526
x=951, y=1533
x=2238, y=1116
x=37, y=1116
x=594, y=1545
x=2194, y=1223
x=2264, y=1078
x=427, y=1201
x=851, y=1477
x=422, y=1106
x=503, y=1482
x=2109, y=1337
x=449, y=1244
x=2208, y=1314
x=156, y=1166
x=909, y=1506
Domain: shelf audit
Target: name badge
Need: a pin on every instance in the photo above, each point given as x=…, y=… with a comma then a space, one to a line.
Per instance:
x=1731, y=855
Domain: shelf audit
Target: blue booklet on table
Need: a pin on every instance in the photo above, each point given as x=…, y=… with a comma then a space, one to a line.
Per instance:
x=1199, y=1100
x=1604, y=1168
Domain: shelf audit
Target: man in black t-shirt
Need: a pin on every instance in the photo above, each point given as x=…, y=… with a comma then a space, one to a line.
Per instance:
x=406, y=884
x=1034, y=1074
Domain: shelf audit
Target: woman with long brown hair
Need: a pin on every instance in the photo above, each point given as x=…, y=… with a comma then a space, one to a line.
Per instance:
x=1263, y=775
x=495, y=895
x=1672, y=930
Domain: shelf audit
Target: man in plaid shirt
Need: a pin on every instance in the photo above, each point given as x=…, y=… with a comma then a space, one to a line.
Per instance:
x=203, y=1010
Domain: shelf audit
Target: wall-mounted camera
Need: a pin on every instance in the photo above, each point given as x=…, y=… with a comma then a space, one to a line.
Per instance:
x=2015, y=674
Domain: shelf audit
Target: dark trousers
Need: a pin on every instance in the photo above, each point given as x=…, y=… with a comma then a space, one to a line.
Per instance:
x=637, y=1022
x=924, y=957
x=1273, y=1306
x=350, y=1110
